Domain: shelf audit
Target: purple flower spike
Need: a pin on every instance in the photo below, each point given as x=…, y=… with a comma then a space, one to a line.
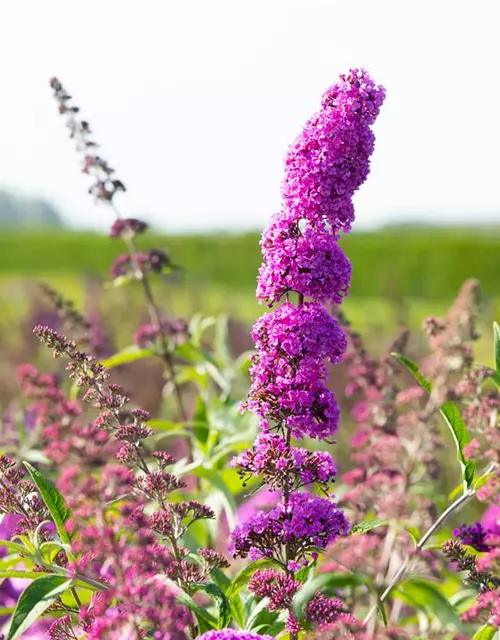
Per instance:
x=303, y=523
x=303, y=263
x=330, y=159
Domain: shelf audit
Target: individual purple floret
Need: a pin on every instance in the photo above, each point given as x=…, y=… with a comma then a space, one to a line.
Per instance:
x=329, y=160
x=473, y=535
x=303, y=258
x=303, y=523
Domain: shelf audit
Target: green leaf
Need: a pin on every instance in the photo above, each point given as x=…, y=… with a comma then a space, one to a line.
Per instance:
x=221, y=601
x=129, y=354
x=167, y=425
x=414, y=532
x=54, y=502
x=458, y=490
x=10, y=561
x=19, y=573
x=190, y=353
x=49, y=550
x=452, y=417
x=306, y=574
x=414, y=369
x=200, y=421
x=383, y=613
x=496, y=343
x=277, y=626
x=14, y=546
x=221, y=579
x=458, y=428
x=487, y=632
x=260, y=617
x=236, y=606
x=482, y=480
x=218, y=483
x=367, y=525
x=239, y=581
x=206, y=621
x=426, y=595
x=34, y=600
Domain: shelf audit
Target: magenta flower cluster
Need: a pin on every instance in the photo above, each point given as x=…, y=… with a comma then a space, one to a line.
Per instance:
x=282, y=466
x=301, y=260
x=303, y=269
x=291, y=529
x=330, y=159
x=474, y=536
x=289, y=370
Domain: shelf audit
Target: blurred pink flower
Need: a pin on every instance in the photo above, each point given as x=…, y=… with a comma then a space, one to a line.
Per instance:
x=491, y=519
x=264, y=500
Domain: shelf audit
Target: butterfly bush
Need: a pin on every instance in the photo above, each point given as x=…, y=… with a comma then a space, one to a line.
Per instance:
x=126, y=544
x=294, y=342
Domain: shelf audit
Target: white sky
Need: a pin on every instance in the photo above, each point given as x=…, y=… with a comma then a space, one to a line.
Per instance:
x=195, y=102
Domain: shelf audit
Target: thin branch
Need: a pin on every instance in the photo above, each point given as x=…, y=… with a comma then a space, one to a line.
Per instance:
x=432, y=529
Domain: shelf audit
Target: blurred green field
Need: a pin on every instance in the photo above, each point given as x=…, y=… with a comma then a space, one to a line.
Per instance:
x=400, y=275
x=421, y=262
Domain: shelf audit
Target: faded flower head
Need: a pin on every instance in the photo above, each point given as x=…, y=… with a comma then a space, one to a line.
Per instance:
x=127, y=226
x=173, y=329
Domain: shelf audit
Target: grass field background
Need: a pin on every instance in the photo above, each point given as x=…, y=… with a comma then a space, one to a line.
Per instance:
x=428, y=263
x=400, y=275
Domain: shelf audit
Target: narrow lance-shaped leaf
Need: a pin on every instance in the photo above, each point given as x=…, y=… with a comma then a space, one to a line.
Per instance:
x=205, y=620
x=427, y=596
x=452, y=417
x=485, y=633
x=324, y=582
x=239, y=581
x=127, y=355
x=458, y=428
x=19, y=573
x=496, y=342
x=221, y=601
x=34, y=600
x=13, y=546
x=54, y=501
x=496, y=353
x=414, y=369
x=367, y=525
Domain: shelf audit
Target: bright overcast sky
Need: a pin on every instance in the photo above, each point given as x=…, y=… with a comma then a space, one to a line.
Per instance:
x=194, y=103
